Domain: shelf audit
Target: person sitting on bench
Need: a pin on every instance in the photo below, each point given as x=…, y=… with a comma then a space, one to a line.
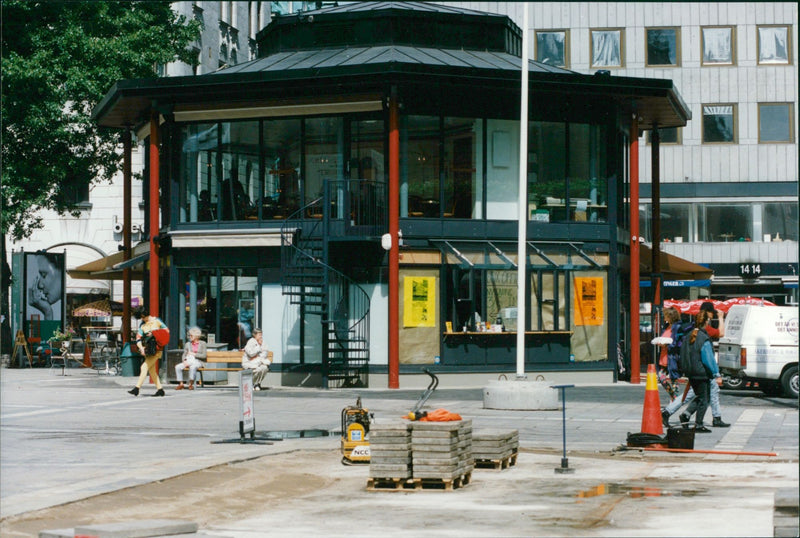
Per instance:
x=256, y=358
x=193, y=354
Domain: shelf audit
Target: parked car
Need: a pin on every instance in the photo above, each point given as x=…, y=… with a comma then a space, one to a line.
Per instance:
x=761, y=344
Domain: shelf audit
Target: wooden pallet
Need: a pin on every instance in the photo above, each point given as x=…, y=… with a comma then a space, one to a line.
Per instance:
x=417, y=484
x=446, y=484
x=499, y=465
x=388, y=484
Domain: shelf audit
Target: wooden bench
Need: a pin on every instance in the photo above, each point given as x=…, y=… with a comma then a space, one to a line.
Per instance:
x=224, y=357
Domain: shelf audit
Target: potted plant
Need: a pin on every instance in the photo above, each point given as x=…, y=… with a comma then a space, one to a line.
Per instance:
x=61, y=339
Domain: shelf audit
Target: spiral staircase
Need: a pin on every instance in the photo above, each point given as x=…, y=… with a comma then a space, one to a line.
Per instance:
x=319, y=289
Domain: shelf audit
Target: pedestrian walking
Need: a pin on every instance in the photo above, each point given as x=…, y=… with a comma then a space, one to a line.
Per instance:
x=150, y=348
x=698, y=364
x=717, y=317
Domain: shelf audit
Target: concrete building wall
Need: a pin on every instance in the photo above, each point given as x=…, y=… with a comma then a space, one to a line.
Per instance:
x=746, y=84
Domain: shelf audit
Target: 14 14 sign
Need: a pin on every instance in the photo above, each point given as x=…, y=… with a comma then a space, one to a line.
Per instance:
x=749, y=270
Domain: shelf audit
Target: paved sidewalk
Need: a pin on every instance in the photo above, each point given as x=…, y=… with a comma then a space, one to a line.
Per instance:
x=63, y=439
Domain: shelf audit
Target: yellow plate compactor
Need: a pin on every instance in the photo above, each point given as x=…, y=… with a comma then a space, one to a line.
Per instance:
x=355, y=429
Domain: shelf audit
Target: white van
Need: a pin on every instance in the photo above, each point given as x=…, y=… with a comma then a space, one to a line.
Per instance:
x=761, y=344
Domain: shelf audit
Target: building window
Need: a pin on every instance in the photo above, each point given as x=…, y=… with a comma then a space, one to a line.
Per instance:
x=774, y=45
x=669, y=135
x=552, y=47
x=775, y=123
x=718, y=45
x=676, y=222
x=724, y=223
x=719, y=124
x=422, y=166
x=567, y=172
x=663, y=47
x=76, y=193
x=779, y=221
x=607, y=48
x=323, y=157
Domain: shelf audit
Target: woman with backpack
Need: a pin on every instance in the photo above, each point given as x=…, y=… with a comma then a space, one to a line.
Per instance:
x=698, y=364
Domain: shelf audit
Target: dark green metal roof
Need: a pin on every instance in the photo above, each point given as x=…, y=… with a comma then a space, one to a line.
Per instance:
x=385, y=54
x=366, y=24
x=323, y=71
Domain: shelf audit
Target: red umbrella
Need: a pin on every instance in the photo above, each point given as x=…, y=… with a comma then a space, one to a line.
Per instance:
x=725, y=305
x=693, y=307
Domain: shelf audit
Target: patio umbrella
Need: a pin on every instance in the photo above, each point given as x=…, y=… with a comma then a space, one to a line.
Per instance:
x=96, y=309
x=693, y=307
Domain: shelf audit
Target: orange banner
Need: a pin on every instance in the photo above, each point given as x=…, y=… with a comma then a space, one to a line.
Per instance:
x=588, y=300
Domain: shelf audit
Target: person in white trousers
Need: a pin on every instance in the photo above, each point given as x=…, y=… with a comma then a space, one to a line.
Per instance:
x=193, y=354
x=257, y=357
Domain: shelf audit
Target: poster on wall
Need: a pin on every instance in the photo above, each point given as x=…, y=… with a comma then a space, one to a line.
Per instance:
x=419, y=294
x=44, y=285
x=588, y=300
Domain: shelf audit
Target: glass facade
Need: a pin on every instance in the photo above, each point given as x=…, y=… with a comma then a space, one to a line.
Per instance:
x=222, y=302
x=723, y=222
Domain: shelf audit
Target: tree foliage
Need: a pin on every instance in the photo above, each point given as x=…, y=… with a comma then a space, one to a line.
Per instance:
x=59, y=58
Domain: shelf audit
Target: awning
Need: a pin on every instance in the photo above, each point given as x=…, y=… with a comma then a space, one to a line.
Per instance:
x=672, y=267
x=499, y=255
x=225, y=238
x=109, y=267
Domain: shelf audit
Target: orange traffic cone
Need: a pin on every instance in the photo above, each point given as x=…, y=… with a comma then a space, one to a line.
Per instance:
x=651, y=416
x=87, y=354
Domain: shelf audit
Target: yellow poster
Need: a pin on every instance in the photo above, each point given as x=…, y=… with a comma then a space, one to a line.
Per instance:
x=588, y=300
x=419, y=295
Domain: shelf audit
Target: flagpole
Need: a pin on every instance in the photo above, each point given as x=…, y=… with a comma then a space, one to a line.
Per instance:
x=522, y=258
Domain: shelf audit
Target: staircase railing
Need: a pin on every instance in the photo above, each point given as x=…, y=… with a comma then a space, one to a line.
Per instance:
x=322, y=289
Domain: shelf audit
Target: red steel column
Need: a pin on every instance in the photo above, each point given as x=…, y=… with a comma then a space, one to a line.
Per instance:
x=127, y=177
x=394, y=252
x=154, y=213
x=634, y=224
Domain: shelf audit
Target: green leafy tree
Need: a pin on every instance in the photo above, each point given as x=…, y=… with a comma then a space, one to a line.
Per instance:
x=59, y=58
x=58, y=61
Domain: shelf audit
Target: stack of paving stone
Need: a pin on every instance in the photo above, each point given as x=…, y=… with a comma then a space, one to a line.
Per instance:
x=442, y=454
x=495, y=449
x=390, y=454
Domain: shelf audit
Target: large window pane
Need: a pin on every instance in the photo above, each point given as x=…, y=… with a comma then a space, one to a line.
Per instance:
x=552, y=47
x=587, y=173
x=547, y=168
x=607, y=48
x=775, y=122
x=221, y=305
x=779, y=221
x=675, y=222
x=366, y=170
x=462, y=192
x=718, y=45
x=502, y=170
x=663, y=46
x=773, y=45
x=422, y=166
x=198, y=189
x=240, y=171
x=719, y=123
x=281, y=147
x=324, y=145
x=727, y=222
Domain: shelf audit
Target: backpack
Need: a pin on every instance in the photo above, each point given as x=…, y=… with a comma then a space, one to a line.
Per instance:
x=691, y=363
x=679, y=330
